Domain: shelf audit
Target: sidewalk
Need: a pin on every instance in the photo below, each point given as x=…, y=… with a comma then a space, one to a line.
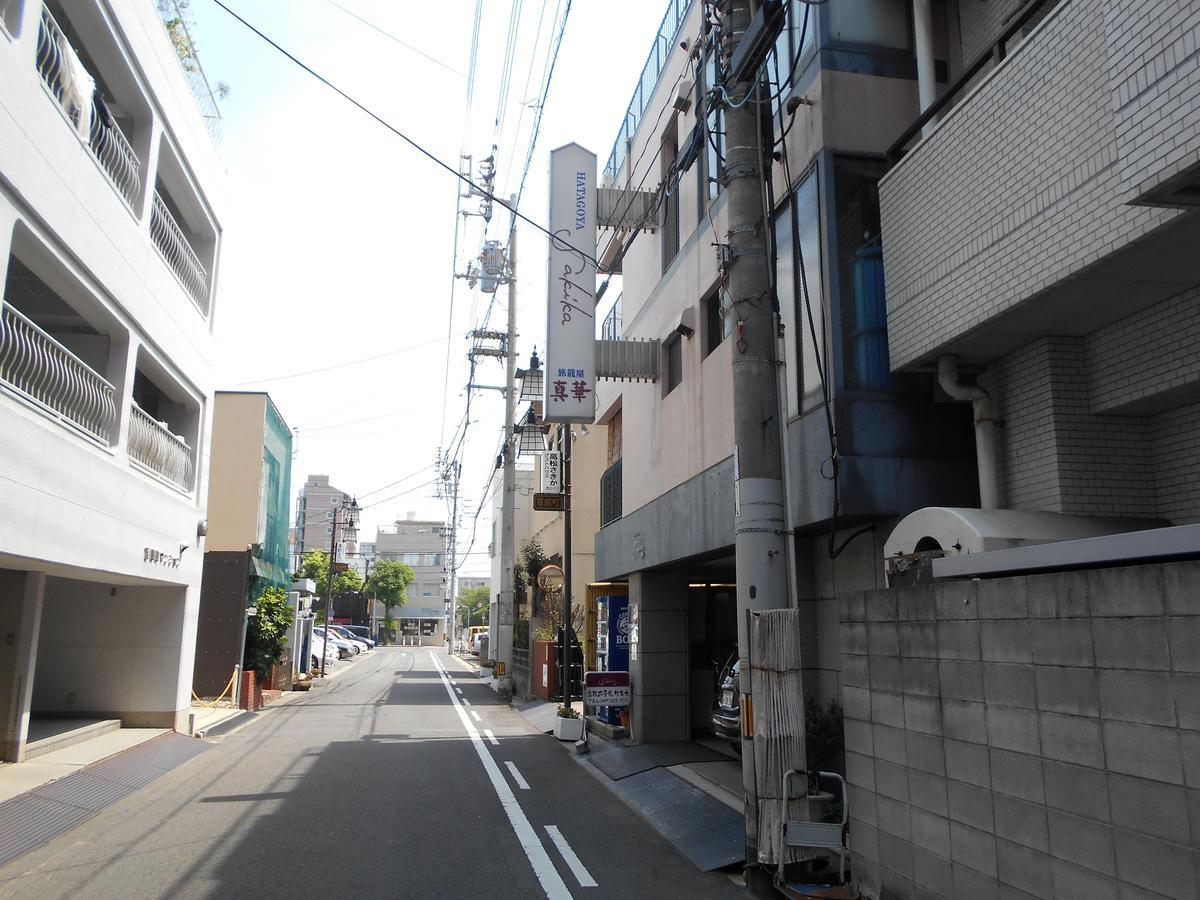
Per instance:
x=20, y=778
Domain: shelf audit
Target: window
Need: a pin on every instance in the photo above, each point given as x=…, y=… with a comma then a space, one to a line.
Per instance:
x=673, y=350
x=328, y=530
x=793, y=44
x=716, y=322
x=798, y=248
x=10, y=16
x=329, y=514
x=882, y=23
x=708, y=172
x=670, y=177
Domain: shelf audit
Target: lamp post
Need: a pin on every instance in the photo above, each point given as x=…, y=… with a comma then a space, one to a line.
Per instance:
x=350, y=509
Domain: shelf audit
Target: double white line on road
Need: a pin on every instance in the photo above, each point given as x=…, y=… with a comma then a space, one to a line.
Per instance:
x=539, y=859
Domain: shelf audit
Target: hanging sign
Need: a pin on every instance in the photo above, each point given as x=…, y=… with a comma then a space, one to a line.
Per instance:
x=570, y=383
x=549, y=502
x=552, y=472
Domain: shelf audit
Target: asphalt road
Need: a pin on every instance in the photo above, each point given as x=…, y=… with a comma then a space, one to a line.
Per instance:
x=378, y=784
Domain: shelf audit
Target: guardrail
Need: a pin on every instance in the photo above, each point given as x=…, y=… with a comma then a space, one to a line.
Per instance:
x=69, y=81
x=153, y=445
x=55, y=379
x=178, y=253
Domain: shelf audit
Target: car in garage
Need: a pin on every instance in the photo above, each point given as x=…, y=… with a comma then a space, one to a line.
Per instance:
x=727, y=706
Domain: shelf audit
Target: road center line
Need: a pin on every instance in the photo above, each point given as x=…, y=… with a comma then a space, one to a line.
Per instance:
x=491, y=737
x=582, y=875
x=517, y=777
x=539, y=859
x=475, y=716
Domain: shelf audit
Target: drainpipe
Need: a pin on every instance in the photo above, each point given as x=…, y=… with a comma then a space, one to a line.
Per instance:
x=926, y=72
x=985, y=428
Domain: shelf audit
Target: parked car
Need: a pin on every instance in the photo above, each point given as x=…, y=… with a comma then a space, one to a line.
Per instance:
x=317, y=649
x=362, y=633
x=360, y=646
x=345, y=649
x=727, y=706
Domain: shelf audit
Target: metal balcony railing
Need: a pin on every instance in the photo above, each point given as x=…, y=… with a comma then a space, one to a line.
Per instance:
x=610, y=494
x=189, y=61
x=69, y=81
x=41, y=369
x=610, y=329
x=178, y=253
x=152, y=444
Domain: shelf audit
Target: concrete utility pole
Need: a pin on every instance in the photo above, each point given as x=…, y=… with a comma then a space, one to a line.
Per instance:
x=503, y=630
x=456, y=469
x=760, y=534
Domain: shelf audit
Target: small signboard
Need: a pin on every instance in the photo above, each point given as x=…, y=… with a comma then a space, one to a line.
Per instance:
x=549, y=502
x=606, y=689
x=340, y=567
x=552, y=472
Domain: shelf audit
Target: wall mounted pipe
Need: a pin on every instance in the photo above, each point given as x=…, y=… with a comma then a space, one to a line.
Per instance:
x=985, y=428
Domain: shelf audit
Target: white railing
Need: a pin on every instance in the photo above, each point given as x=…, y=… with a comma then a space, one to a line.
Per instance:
x=178, y=253
x=176, y=24
x=69, y=81
x=43, y=370
x=152, y=444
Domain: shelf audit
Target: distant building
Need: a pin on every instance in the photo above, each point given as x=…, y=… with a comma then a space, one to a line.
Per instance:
x=246, y=551
x=421, y=543
x=315, y=506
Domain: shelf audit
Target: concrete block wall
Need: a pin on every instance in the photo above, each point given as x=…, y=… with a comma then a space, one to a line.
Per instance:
x=1035, y=736
x=1018, y=188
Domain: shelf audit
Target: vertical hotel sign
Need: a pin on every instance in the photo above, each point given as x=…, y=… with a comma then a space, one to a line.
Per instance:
x=570, y=384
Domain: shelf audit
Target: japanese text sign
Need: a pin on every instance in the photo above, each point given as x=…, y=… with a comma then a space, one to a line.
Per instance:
x=606, y=689
x=552, y=472
x=570, y=383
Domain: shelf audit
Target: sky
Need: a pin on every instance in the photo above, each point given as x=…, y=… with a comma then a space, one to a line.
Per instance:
x=338, y=253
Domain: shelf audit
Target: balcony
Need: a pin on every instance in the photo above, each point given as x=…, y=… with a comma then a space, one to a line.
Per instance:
x=611, y=489
x=40, y=369
x=153, y=446
x=75, y=90
x=178, y=254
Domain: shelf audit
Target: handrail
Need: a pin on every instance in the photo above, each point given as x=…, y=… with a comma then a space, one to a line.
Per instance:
x=178, y=253
x=74, y=89
x=42, y=369
x=994, y=52
x=189, y=62
x=152, y=444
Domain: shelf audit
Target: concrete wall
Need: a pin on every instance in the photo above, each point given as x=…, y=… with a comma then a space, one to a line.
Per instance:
x=114, y=650
x=235, y=473
x=1031, y=736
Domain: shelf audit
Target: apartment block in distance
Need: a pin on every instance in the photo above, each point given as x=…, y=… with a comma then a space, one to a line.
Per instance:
x=110, y=236
x=316, y=505
x=421, y=543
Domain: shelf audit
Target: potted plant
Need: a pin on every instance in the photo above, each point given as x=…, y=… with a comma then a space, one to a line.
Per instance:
x=567, y=725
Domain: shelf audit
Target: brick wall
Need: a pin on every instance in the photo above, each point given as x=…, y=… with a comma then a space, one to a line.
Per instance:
x=1034, y=736
x=1175, y=438
x=1020, y=187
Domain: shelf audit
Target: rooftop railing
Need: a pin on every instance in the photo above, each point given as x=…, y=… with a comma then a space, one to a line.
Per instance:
x=178, y=253
x=42, y=370
x=69, y=81
x=189, y=62
x=664, y=40
x=153, y=446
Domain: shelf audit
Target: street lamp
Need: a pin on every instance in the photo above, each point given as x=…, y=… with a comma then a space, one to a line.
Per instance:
x=346, y=514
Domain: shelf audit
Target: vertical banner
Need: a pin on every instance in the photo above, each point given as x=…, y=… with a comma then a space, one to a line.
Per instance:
x=552, y=472
x=570, y=383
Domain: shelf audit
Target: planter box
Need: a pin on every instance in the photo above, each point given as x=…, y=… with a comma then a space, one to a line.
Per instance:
x=568, y=729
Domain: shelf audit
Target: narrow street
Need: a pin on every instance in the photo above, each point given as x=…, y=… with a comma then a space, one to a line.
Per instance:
x=405, y=776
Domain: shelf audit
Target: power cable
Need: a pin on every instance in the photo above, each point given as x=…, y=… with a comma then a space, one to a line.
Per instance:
x=343, y=365
x=392, y=37
x=400, y=134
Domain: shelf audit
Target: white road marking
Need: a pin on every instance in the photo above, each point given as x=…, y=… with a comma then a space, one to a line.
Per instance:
x=582, y=875
x=458, y=689
x=539, y=859
x=517, y=777
x=476, y=716
x=465, y=702
x=491, y=737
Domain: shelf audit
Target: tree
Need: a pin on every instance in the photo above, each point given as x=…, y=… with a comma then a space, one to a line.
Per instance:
x=526, y=572
x=471, y=601
x=315, y=565
x=389, y=583
x=266, y=631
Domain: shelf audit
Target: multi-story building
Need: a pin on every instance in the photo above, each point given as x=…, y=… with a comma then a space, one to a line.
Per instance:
x=110, y=237
x=421, y=543
x=249, y=491
x=316, y=504
x=861, y=446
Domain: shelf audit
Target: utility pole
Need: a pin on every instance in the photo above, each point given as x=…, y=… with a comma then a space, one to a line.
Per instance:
x=565, y=667
x=503, y=629
x=350, y=508
x=760, y=540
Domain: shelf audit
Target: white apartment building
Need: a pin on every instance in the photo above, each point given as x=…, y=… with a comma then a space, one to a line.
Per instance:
x=110, y=234
x=420, y=543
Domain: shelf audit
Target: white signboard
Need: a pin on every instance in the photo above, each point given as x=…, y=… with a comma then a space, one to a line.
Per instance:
x=570, y=383
x=552, y=472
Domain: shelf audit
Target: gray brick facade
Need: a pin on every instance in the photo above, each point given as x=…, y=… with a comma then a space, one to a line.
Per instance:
x=1060, y=756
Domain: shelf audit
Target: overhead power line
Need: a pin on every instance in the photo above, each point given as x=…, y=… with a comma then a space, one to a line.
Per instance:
x=392, y=37
x=348, y=363
x=404, y=137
